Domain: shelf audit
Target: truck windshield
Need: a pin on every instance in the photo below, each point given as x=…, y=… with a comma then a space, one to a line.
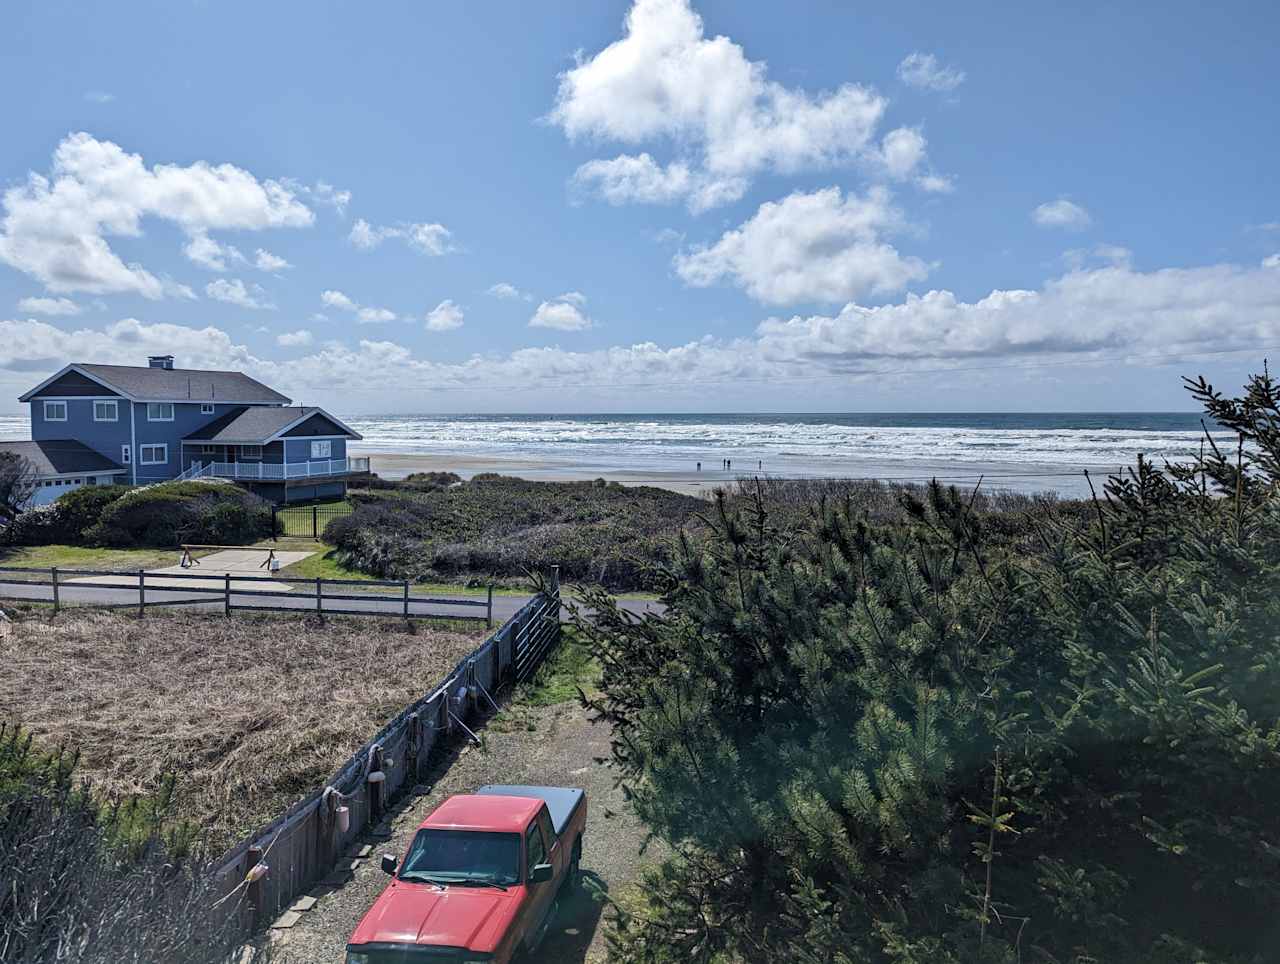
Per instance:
x=462, y=856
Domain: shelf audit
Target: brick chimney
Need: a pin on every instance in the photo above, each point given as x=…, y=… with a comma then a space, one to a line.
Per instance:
x=160, y=361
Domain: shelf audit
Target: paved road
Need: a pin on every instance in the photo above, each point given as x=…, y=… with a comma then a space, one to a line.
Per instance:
x=299, y=600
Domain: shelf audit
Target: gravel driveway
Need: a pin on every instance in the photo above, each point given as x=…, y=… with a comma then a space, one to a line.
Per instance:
x=552, y=745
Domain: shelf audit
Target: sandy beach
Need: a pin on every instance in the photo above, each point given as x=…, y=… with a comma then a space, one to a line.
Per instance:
x=1066, y=480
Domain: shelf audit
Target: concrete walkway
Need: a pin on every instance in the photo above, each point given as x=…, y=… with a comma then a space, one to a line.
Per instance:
x=217, y=566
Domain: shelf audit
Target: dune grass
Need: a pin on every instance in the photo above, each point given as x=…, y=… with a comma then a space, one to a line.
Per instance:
x=249, y=713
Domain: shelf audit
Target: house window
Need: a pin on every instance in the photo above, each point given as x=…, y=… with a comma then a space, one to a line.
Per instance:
x=321, y=450
x=153, y=454
x=208, y=450
x=126, y=455
x=206, y=408
x=159, y=411
x=106, y=412
x=251, y=451
x=55, y=411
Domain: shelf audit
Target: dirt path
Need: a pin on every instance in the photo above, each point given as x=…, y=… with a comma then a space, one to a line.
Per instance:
x=551, y=745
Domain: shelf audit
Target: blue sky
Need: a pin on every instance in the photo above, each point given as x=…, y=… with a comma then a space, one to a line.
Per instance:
x=580, y=206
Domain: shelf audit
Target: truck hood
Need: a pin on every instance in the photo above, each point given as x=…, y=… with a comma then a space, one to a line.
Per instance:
x=414, y=913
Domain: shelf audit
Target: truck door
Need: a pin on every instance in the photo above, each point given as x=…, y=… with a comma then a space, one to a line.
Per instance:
x=541, y=896
x=556, y=855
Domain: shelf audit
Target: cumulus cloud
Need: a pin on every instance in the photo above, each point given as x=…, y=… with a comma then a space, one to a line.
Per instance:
x=445, y=316
x=208, y=253
x=294, y=339
x=264, y=260
x=1272, y=261
x=320, y=193
x=1095, y=313
x=429, y=239
x=234, y=292
x=365, y=315
x=563, y=313
x=55, y=228
x=99, y=96
x=901, y=152
x=1061, y=214
x=49, y=306
x=508, y=292
x=924, y=72
x=936, y=183
x=666, y=81
x=818, y=247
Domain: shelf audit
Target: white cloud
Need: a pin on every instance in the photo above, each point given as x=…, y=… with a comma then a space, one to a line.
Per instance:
x=99, y=97
x=429, y=239
x=630, y=179
x=901, y=152
x=294, y=339
x=1061, y=214
x=924, y=71
x=808, y=247
x=1106, y=308
x=445, y=316
x=936, y=183
x=508, y=292
x=264, y=260
x=1272, y=261
x=563, y=313
x=55, y=228
x=320, y=193
x=49, y=306
x=234, y=292
x=1081, y=315
x=210, y=254
x=364, y=315
x=665, y=80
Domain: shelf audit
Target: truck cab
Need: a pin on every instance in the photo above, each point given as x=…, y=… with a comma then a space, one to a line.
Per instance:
x=480, y=880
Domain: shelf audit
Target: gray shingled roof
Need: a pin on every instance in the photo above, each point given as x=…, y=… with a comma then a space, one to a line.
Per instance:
x=249, y=425
x=62, y=457
x=177, y=384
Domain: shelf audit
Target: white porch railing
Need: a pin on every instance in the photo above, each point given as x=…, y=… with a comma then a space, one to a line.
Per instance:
x=277, y=471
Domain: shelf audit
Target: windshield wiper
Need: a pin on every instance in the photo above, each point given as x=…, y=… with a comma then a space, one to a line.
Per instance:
x=417, y=875
x=481, y=882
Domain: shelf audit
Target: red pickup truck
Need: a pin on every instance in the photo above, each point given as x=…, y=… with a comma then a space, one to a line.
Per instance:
x=480, y=880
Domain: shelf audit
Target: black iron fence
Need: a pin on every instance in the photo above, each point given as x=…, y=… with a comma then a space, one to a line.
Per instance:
x=306, y=521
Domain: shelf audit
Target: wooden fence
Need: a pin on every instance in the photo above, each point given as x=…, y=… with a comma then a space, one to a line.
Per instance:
x=303, y=844
x=209, y=590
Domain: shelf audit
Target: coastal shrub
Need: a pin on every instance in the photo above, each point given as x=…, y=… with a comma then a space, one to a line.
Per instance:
x=909, y=736
x=84, y=881
x=63, y=521
x=173, y=513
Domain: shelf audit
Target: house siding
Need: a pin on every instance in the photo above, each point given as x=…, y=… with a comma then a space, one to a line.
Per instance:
x=299, y=450
x=187, y=417
x=106, y=438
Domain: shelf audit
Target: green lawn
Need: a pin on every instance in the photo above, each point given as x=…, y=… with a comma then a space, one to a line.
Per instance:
x=79, y=557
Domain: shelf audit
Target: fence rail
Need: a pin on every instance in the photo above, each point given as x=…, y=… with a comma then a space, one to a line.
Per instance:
x=152, y=591
x=278, y=471
x=301, y=846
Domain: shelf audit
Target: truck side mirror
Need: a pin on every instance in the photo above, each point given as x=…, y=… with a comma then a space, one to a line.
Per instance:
x=388, y=864
x=541, y=873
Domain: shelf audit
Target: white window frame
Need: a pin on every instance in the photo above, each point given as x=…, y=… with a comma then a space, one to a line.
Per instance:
x=247, y=453
x=206, y=408
x=115, y=410
x=153, y=407
x=126, y=454
x=142, y=453
x=55, y=418
x=326, y=449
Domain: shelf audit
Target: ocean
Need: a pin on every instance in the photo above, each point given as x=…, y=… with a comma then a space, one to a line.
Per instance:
x=1027, y=450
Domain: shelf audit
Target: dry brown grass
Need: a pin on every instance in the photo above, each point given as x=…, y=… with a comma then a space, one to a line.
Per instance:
x=250, y=713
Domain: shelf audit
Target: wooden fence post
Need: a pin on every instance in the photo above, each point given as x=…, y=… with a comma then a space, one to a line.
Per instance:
x=253, y=891
x=54, y=571
x=406, y=599
x=488, y=621
x=226, y=594
x=319, y=598
x=142, y=592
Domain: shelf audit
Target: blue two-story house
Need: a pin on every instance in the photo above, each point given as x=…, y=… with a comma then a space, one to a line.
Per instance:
x=96, y=424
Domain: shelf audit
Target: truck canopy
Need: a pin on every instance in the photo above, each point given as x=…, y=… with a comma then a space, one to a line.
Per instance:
x=561, y=801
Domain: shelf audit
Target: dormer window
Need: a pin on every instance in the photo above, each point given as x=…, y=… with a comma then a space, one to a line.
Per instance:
x=55, y=411
x=159, y=411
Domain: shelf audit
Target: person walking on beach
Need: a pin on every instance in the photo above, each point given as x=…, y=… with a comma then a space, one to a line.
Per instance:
x=699, y=466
